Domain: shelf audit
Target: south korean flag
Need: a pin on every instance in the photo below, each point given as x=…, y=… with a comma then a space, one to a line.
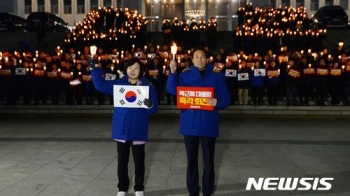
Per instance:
x=110, y=76
x=243, y=76
x=20, y=71
x=230, y=73
x=130, y=96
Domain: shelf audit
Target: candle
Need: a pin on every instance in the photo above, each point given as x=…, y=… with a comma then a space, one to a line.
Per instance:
x=173, y=50
x=93, y=50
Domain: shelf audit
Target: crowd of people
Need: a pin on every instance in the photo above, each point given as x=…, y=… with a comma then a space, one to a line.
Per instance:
x=275, y=54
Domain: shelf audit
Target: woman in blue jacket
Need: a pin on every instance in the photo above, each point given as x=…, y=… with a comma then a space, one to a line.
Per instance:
x=200, y=126
x=129, y=125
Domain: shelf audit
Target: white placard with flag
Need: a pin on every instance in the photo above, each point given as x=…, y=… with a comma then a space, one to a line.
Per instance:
x=127, y=96
x=243, y=76
x=259, y=72
x=231, y=73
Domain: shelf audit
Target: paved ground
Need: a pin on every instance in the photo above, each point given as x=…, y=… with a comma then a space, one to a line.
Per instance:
x=70, y=155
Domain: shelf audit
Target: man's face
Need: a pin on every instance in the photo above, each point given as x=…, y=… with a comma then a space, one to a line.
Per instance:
x=199, y=59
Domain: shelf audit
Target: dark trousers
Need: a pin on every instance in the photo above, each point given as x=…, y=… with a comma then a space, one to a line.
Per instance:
x=138, y=152
x=192, y=177
x=304, y=94
x=291, y=95
x=320, y=91
x=347, y=93
x=272, y=91
x=257, y=94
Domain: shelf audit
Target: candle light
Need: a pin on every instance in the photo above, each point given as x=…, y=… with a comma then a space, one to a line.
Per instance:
x=341, y=44
x=309, y=65
x=71, y=73
x=93, y=50
x=343, y=66
x=173, y=50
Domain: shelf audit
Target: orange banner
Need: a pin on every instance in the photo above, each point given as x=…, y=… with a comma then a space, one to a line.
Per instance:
x=335, y=72
x=272, y=73
x=294, y=73
x=194, y=97
x=322, y=71
x=309, y=71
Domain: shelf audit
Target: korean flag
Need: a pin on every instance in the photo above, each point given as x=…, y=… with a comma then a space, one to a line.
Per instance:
x=130, y=96
x=243, y=76
x=230, y=73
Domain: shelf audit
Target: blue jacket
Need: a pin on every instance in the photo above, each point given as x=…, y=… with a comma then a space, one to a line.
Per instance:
x=258, y=80
x=130, y=124
x=202, y=123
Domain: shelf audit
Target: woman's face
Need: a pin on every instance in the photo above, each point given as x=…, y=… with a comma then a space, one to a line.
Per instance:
x=199, y=59
x=133, y=71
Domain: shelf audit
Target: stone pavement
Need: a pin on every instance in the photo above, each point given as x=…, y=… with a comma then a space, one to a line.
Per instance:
x=71, y=155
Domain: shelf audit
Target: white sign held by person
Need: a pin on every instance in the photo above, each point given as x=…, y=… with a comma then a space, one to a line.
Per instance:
x=127, y=96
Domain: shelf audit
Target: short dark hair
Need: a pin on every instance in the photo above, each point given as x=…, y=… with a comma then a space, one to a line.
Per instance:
x=132, y=62
x=198, y=49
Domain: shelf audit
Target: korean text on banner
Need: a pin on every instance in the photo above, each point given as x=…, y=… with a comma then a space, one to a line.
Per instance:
x=127, y=96
x=194, y=97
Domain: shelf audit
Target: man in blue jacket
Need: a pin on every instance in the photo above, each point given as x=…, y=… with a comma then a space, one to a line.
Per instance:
x=200, y=126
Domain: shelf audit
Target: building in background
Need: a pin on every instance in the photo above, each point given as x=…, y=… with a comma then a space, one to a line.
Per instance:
x=73, y=11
